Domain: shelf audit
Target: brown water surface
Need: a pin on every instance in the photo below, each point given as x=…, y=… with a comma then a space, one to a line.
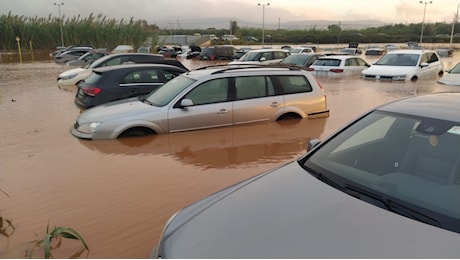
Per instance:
x=118, y=194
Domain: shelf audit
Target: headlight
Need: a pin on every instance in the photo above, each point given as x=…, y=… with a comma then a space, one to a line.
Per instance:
x=68, y=77
x=88, y=128
x=399, y=77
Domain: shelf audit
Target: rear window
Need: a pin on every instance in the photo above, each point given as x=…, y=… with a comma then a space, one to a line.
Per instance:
x=292, y=84
x=327, y=62
x=93, y=78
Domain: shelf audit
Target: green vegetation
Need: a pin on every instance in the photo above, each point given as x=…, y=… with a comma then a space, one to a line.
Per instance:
x=53, y=239
x=103, y=32
x=99, y=31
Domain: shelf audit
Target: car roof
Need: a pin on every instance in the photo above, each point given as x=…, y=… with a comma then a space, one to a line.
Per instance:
x=340, y=57
x=268, y=50
x=441, y=105
x=135, y=66
x=242, y=68
x=412, y=51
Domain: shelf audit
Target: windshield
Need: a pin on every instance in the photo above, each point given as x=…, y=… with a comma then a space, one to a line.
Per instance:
x=295, y=59
x=398, y=59
x=456, y=69
x=414, y=161
x=163, y=95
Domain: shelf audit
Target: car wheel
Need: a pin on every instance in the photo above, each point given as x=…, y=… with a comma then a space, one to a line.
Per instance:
x=414, y=79
x=288, y=116
x=137, y=131
x=440, y=73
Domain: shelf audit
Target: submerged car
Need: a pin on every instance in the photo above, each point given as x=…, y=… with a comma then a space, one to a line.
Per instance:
x=72, y=77
x=111, y=83
x=405, y=65
x=452, y=77
x=209, y=97
x=262, y=56
x=88, y=58
x=301, y=59
x=338, y=66
x=385, y=186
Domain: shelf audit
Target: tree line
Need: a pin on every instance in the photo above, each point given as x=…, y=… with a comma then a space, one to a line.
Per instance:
x=103, y=32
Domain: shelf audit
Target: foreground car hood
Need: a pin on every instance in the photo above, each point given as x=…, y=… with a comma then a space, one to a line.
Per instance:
x=389, y=70
x=288, y=213
x=121, y=109
x=450, y=79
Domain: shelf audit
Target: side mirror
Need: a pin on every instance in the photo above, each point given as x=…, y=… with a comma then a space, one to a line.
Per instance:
x=312, y=144
x=186, y=102
x=424, y=64
x=263, y=59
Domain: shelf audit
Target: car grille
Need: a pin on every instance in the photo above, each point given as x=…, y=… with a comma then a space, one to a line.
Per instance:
x=378, y=77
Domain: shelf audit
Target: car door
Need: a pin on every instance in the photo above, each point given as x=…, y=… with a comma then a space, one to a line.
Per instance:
x=353, y=66
x=255, y=99
x=212, y=107
x=433, y=65
x=140, y=82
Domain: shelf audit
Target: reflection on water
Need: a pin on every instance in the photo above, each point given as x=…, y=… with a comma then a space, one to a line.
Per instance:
x=225, y=147
x=118, y=194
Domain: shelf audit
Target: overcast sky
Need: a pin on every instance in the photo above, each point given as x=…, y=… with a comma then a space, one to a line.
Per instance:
x=166, y=13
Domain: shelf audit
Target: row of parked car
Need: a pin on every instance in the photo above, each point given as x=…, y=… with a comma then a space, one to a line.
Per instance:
x=101, y=82
x=378, y=189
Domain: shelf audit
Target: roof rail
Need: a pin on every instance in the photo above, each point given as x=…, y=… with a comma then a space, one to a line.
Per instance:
x=227, y=67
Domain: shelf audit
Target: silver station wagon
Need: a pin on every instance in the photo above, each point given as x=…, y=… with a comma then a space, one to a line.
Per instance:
x=209, y=97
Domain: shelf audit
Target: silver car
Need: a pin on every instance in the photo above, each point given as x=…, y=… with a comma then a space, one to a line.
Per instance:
x=385, y=186
x=209, y=97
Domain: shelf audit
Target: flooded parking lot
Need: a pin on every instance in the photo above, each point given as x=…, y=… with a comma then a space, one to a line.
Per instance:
x=118, y=194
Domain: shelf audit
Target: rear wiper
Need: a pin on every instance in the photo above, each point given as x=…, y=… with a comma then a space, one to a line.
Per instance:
x=389, y=204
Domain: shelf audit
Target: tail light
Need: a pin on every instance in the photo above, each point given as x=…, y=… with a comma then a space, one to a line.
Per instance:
x=213, y=57
x=336, y=70
x=319, y=84
x=310, y=69
x=91, y=91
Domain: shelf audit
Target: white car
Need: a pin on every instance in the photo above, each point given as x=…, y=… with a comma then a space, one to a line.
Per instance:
x=72, y=77
x=338, y=66
x=452, y=77
x=405, y=65
x=262, y=56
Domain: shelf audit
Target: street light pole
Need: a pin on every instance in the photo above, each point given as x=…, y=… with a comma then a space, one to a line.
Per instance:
x=263, y=21
x=60, y=21
x=423, y=21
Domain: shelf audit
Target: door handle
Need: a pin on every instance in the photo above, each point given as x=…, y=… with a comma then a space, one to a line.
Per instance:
x=222, y=111
x=274, y=104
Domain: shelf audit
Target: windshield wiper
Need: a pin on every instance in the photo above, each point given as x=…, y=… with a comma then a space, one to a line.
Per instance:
x=389, y=204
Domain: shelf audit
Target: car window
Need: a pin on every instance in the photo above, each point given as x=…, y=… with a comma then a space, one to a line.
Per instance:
x=93, y=78
x=292, y=84
x=361, y=62
x=253, y=87
x=375, y=131
x=280, y=55
x=212, y=91
x=409, y=159
x=327, y=62
x=351, y=62
x=142, y=76
x=433, y=58
x=267, y=55
x=114, y=61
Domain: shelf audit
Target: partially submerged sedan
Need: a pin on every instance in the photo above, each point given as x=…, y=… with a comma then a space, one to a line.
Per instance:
x=385, y=186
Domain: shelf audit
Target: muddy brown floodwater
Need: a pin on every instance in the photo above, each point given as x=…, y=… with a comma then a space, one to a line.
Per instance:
x=118, y=194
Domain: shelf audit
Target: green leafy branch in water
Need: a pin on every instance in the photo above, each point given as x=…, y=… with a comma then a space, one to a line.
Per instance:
x=56, y=236
x=6, y=225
